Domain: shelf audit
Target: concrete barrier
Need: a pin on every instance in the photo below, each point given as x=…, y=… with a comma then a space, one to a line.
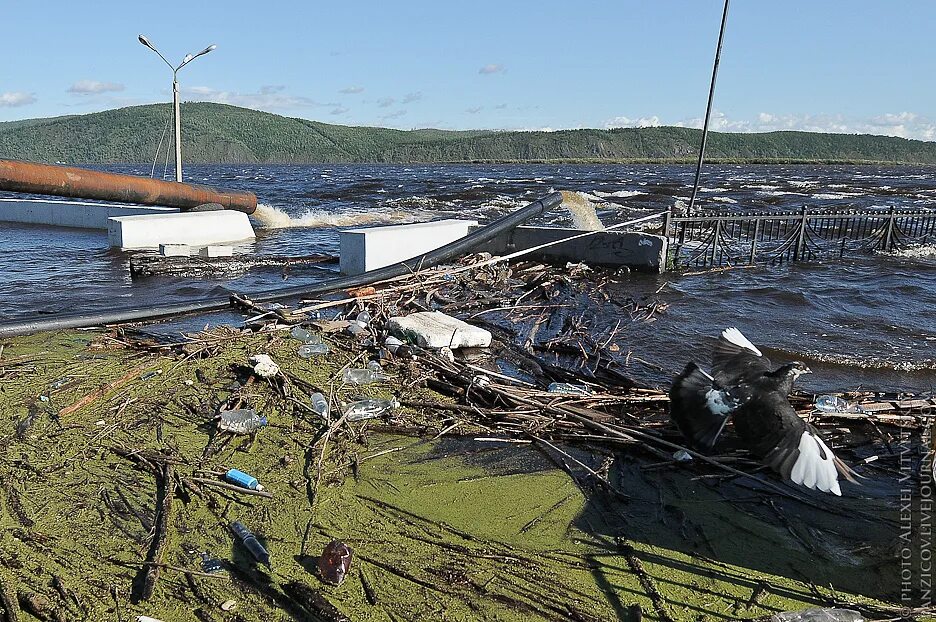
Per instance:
x=375, y=247
x=75, y=214
x=640, y=251
x=192, y=228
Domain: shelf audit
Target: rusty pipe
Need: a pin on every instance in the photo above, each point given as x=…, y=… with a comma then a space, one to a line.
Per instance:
x=82, y=183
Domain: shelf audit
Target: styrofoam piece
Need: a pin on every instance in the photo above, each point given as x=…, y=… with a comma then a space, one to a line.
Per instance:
x=74, y=214
x=375, y=247
x=193, y=228
x=434, y=329
x=216, y=251
x=175, y=250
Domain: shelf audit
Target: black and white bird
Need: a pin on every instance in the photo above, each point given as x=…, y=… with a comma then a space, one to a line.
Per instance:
x=743, y=387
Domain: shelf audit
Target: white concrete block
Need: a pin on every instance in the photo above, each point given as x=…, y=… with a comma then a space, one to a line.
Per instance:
x=216, y=251
x=175, y=250
x=75, y=214
x=367, y=249
x=434, y=329
x=193, y=228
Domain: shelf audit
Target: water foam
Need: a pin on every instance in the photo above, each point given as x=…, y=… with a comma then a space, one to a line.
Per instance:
x=583, y=212
x=271, y=217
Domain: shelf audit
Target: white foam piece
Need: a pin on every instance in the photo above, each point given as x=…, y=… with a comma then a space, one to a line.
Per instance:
x=434, y=329
x=192, y=228
x=370, y=248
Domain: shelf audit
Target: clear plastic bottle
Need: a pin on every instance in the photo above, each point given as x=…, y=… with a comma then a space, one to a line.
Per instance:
x=360, y=324
x=304, y=335
x=372, y=373
x=817, y=614
x=251, y=543
x=308, y=350
x=566, y=388
x=835, y=404
x=320, y=404
x=241, y=421
x=369, y=408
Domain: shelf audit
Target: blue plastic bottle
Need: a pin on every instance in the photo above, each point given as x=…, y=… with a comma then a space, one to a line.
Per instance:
x=239, y=478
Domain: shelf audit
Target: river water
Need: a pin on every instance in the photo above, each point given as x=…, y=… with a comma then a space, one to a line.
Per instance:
x=867, y=322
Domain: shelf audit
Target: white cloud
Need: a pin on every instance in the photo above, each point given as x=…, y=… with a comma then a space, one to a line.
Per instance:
x=12, y=99
x=352, y=90
x=393, y=115
x=491, y=68
x=266, y=98
x=409, y=98
x=94, y=87
x=653, y=121
x=385, y=102
x=338, y=111
x=474, y=110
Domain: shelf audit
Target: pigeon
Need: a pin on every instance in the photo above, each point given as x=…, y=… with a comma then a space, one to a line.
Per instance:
x=744, y=387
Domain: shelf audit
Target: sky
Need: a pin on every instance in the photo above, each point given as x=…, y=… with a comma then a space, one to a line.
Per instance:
x=852, y=66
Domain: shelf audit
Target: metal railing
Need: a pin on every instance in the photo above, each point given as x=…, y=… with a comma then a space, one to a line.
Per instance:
x=724, y=239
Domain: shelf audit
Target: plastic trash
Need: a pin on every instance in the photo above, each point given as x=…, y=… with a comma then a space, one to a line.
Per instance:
x=392, y=343
x=369, y=409
x=817, y=614
x=835, y=404
x=239, y=478
x=320, y=405
x=251, y=543
x=263, y=365
x=335, y=562
x=210, y=564
x=146, y=619
x=241, y=421
x=565, y=388
x=372, y=373
x=308, y=350
x=304, y=335
x=360, y=324
x=682, y=456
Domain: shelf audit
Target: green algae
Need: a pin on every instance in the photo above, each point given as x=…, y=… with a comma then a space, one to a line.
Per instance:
x=448, y=528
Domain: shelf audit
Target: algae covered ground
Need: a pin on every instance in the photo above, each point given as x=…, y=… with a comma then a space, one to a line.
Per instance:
x=100, y=431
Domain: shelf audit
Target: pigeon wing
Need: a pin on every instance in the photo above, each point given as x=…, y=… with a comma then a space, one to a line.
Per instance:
x=700, y=407
x=736, y=360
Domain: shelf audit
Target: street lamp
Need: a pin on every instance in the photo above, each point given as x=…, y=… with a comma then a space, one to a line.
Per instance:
x=175, y=97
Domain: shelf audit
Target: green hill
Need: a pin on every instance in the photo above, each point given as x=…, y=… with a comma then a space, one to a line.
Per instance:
x=215, y=133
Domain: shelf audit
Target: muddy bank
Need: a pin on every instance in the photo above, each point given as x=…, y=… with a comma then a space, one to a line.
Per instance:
x=107, y=435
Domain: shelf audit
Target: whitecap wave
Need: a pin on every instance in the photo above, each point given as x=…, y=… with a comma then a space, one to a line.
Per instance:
x=274, y=218
x=621, y=194
x=918, y=251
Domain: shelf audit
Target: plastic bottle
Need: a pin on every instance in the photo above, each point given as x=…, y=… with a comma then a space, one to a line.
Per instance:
x=372, y=373
x=320, y=405
x=360, y=323
x=817, y=614
x=239, y=478
x=835, y=404
x=369, y=408
x=304, y=335
x=251, y=543
x=241, y=421
x=308, y=350
x=568, y=389
x=210, y=564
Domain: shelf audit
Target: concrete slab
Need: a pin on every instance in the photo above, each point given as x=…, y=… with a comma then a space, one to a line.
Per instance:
x=74, y=214
x=375, y=247
x=216, y=251
x=434, y=329
x=175, y=250
x=640, y=251
x=193, y=228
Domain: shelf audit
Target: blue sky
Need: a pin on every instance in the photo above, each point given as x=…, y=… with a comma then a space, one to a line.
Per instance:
x=845, y=66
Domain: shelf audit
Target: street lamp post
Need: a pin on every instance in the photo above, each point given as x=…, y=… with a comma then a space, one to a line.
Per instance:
x=175, y=97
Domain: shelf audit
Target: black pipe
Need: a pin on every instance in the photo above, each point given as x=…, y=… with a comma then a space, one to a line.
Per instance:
x=426, y=260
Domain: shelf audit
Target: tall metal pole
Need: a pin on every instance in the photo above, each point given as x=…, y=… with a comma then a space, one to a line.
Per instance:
x=708, y=109
x=178, y=127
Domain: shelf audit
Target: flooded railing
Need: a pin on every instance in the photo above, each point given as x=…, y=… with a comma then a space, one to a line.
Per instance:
x=727, y=239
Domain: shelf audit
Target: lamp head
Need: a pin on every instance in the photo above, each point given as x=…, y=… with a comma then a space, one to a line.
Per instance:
x=146, y=42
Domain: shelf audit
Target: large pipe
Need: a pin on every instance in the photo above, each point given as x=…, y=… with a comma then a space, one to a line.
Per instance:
x=82, y=183
x=426, y=260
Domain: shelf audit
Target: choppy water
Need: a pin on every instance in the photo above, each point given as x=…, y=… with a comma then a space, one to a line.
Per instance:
x=868, y=321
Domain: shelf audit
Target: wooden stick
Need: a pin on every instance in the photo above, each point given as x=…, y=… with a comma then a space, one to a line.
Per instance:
x=163, y=507
x=233, y=487
x=104, y=390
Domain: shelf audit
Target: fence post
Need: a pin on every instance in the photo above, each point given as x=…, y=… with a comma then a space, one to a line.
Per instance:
x=757, y=223
x=801, y=242
x=889, y=237
x=715, y=239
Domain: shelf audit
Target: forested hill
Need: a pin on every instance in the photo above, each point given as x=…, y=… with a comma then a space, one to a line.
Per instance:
x=215, y=133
